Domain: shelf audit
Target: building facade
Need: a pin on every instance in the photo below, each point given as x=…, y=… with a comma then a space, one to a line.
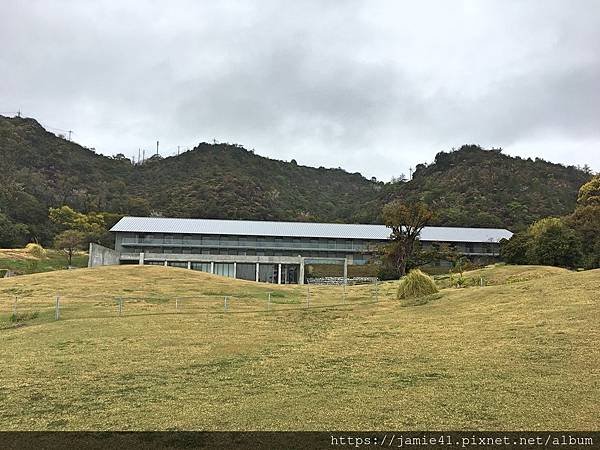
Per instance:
x=274, y=252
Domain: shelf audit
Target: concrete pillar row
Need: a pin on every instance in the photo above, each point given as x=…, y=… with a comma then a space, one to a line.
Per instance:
x=141, y=262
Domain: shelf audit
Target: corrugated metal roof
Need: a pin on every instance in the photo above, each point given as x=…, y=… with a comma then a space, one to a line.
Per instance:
x=299, y=229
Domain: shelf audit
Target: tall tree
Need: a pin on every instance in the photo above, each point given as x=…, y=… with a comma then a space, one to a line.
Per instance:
x=553, y=243
x=585, y=220
x=406, y=220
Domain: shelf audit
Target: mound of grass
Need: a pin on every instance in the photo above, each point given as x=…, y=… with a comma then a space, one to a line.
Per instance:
x=416, y=284
x=35, y=250
x=421, y=300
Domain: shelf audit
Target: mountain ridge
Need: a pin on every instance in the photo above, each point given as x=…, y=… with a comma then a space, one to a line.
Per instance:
x=470, y=186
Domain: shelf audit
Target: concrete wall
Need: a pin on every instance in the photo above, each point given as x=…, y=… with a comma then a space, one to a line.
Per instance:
x=213, y=258
x=102, y=256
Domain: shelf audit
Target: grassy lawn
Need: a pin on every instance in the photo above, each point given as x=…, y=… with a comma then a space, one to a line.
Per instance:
x=19, y=261
x=519, y=354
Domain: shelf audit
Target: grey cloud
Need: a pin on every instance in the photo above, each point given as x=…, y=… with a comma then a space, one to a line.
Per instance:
x=374, y=87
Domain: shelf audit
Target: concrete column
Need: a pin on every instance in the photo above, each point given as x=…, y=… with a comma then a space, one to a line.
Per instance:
x=301, y=274
x=279, y=274
x=90, y=255
x=212, y=267
x=345, y=270
x=189, y=265
x=234, y=270
x=257, y=271
x=166, y=263
x=141, y=263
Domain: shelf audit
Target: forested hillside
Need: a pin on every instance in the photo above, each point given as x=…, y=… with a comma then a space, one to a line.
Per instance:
x=39, y=170
x=467, y=187
x=486, y=188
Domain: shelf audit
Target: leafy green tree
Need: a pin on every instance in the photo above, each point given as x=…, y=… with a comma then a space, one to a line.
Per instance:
x=69, y=242
x=514, y=250
x=585, y=220
x=406, y=220
x=553, y=243
x=67, y=218
x=12, y=234
x=93, y=225
x=589, y=193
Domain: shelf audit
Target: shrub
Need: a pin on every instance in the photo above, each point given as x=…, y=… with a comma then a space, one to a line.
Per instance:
x=38, y=252
x=416, y=284
x=23, y=317
x=35, y=250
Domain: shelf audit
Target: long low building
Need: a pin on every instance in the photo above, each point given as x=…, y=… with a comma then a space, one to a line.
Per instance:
x=274, y=252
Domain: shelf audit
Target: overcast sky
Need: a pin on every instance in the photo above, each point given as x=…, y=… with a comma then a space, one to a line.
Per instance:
x=369, y=86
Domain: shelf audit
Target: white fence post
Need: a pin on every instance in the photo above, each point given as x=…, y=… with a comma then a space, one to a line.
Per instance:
x=225, y=304
x=176, y=304
x=57, y=308
x=269, y=302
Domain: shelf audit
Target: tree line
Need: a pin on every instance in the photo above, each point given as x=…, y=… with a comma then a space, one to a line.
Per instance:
x=572, y=240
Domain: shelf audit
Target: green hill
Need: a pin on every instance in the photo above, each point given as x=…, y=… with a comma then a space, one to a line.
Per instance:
x=481, y=358
x=467, y=187
x=486, y=188
x=39, y=170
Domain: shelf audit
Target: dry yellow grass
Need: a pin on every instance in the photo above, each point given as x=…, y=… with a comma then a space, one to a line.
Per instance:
x=523, y=355
x=503, y=274
x=17, y=254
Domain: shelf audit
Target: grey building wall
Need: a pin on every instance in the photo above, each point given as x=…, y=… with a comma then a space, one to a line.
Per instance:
x=102, y=256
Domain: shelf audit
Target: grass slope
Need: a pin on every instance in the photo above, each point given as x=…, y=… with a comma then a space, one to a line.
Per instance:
x=502, y=274
x=522, y=355
x=19, y=261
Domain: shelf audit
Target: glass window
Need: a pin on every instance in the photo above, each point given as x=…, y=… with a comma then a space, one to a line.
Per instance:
x=181, y=264
x=224, y=269
x=246, y=271
x=202, y=267
x=268, y=273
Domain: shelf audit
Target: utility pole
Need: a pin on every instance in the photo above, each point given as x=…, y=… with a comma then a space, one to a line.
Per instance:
x=143, y=156
x=178, y=150
x=70, y=132
x=139, y=154
x=410, y=172
x=156, y=148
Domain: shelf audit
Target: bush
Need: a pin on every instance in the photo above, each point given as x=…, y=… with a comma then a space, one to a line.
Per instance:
x=23, y=317
x=416, y=284
x=35, y=250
